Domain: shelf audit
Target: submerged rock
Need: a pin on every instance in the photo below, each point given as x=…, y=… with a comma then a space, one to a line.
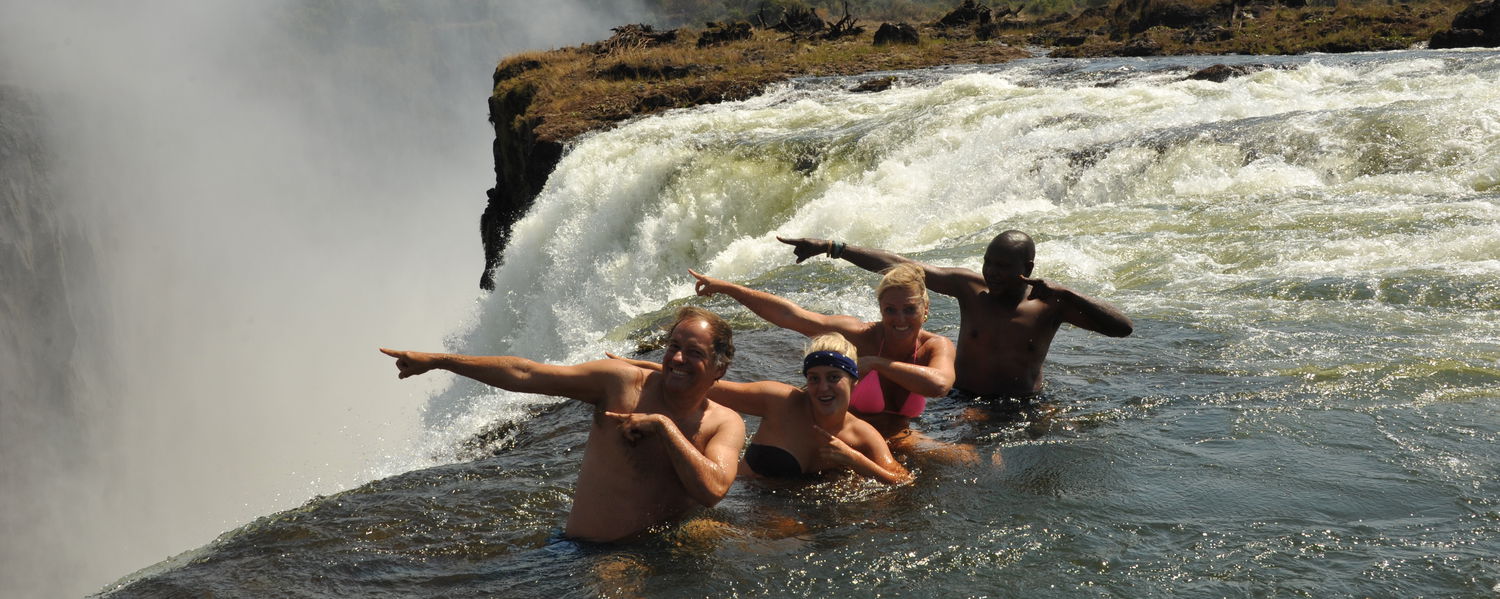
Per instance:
x=1220, y=73
x=878, y=84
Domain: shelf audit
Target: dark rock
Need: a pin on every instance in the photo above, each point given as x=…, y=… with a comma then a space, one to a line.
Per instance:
x=522, y=165
x=1218, y=73
x=899, y=33
x=621, y=71
x=1457, y=38
x=1139, y=15
x=724, y=34
x=1484, y=15
x=1013, y=22
x=1216, y=33
x=1475, y=26
x=1141, y=46
x=878, y=84
x=1071, y=40
x=654, y=102
x=968, y=13
x=987, y=31
x=512, y=69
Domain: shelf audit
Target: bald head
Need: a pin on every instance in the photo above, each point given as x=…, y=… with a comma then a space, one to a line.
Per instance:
x=1009, y=257
x=1014, y=243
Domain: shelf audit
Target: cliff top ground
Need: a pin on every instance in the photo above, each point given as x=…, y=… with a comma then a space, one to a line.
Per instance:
x=561, y=93
x=541, y=100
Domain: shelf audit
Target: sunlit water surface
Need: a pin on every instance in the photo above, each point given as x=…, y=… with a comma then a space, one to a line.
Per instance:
x=1308, y=407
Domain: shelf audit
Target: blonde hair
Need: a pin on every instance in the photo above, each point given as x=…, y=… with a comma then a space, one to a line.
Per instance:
x=832, y=342
x=908, y=277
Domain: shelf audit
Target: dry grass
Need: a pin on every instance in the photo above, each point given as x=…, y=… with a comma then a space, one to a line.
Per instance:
x=562, y=93
x=1343, y=27
x=577, y=89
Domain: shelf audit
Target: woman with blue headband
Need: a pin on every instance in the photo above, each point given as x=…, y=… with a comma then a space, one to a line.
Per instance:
x=902, y=364
x=806, y=430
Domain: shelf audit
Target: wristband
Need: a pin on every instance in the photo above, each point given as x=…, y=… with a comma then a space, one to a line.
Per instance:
x=835, y=249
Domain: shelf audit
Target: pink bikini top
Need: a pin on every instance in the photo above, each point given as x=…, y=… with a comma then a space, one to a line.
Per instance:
x=869, y=398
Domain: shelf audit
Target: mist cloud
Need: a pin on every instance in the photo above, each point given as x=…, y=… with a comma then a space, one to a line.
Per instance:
x=269, y=191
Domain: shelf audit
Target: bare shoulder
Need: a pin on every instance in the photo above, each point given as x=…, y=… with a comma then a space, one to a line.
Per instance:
x=627, y=375
x=627, y=383
x=933, y=342
x=720, y=418
x=955, y=281
x=866, y=333
x=863, y=435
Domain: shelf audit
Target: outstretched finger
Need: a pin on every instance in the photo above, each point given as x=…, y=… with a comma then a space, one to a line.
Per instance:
x=799, y=247
x=701, y=287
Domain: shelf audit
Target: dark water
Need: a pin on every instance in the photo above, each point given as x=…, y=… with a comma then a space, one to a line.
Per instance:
x=1310, y=404
x=1141, y=485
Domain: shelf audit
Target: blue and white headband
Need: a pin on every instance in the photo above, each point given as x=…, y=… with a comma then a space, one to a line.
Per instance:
x=830, y=358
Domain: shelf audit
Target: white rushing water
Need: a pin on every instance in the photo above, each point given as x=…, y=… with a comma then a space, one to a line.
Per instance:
x=1313, y=195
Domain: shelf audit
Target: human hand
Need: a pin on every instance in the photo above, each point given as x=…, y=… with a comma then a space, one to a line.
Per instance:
x=635, y=427
x=806, y=247
x=1044, y=290
x=411, y=363
x=869, y=364
x=707, y=286
x=834, y=449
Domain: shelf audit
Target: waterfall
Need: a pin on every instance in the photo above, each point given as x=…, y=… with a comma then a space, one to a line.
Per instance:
x=1363, y=176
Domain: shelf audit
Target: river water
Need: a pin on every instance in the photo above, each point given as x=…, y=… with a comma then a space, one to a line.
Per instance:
x=1309, y=406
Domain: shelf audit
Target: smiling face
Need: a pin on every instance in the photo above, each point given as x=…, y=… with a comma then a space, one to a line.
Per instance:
x=828, y=388
x=901, y=313
x=689, y=362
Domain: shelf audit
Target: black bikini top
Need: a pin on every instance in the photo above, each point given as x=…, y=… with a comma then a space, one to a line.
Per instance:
x=772, y=461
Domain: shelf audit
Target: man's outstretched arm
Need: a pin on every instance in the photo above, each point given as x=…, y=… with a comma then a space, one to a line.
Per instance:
x=947, y=281
x=587, y=382
x=778, y=310
x=1081, y=310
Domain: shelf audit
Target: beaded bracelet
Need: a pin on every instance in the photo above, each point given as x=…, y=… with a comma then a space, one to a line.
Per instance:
x=835, y=249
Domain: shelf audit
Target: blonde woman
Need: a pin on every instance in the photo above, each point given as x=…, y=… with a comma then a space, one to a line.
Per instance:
x=903, y=364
